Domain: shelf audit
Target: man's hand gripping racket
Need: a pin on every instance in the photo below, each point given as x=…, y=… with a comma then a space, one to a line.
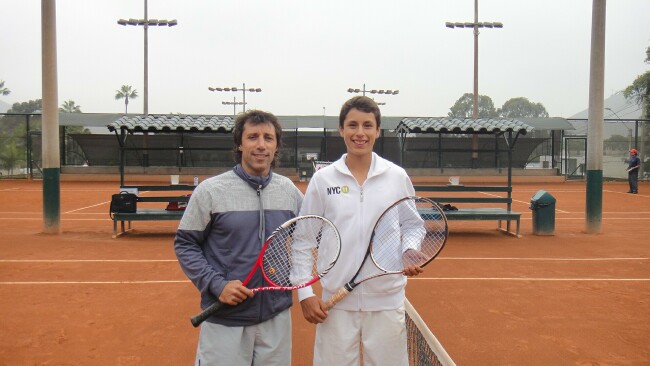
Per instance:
x=407, y=236
x=297, y=254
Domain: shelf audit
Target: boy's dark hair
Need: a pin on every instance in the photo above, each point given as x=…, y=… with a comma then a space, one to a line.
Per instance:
x=255, y=117
x=362, y=103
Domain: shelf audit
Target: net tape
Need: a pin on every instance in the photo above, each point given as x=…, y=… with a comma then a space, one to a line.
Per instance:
x=423, y=347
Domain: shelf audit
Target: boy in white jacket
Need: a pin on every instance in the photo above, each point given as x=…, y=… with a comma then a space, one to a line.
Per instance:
x=353, y=192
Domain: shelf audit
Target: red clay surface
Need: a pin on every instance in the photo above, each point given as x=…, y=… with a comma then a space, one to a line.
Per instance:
x=82, y=298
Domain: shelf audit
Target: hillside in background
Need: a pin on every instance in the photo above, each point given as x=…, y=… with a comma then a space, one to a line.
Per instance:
x=4, y=106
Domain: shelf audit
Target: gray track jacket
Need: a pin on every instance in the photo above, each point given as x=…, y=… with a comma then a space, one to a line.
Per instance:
x=222, y=231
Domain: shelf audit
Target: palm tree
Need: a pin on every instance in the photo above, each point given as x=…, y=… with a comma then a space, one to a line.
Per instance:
x=70, y=107
x=125, y=93
x=3, y=90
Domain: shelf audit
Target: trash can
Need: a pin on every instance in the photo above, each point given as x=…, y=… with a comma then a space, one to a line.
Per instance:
x=543, y=206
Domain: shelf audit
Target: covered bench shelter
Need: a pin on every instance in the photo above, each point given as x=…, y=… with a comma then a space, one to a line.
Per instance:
x=505, y=130
x=182, y=130
x=504, y=134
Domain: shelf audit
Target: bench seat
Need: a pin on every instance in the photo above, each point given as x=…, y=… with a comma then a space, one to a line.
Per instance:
x=151, y=214
x=477, y=213
x=143, y=214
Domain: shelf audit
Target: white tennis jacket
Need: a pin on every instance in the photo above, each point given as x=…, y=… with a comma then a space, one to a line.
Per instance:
x=335, y=194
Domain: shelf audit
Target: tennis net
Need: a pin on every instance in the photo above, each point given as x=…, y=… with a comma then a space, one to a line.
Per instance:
x=423, y=347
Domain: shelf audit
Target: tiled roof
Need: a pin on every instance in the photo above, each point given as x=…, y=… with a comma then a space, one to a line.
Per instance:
x=462, y=125
x=173, y=123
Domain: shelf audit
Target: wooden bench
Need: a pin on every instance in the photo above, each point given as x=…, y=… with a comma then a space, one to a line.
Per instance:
x=151, y=214
x=476, y=213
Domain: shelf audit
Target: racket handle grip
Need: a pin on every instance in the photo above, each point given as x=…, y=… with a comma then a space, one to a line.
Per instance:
x=336, y=298
x=200, y=318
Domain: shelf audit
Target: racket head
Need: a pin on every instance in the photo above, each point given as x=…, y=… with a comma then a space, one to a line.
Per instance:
x=300, y=252
x=411, y=232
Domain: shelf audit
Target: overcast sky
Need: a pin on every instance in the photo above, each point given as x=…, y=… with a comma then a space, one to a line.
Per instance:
x=305, y=54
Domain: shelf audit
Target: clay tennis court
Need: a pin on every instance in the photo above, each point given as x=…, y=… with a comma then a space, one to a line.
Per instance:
x=83, y=298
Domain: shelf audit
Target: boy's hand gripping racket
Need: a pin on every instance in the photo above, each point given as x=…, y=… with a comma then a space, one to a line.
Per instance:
x=411, y=232
x=297, y=254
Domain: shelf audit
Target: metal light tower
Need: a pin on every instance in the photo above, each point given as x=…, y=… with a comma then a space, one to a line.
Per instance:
x=146, y=23
x=373, y=91
x=234, y=104
x=235, y=89
x=475, y=26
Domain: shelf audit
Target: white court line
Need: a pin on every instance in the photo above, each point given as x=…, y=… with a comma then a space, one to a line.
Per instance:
x=92, y=282
x=528, y=279
x=544, y=259
x=71, y=212
x=437, y=259
x=514, y=200
x=83, y=208
x=62, y=219
x=604, y=218
x=410, y=279
x=62, y=190
x=86, y=260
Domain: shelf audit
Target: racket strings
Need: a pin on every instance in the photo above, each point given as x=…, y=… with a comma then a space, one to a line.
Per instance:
x=301, y=252
x=411, y=232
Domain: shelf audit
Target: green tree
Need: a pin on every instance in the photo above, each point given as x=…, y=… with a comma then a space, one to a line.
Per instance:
x=639, y=92
x=126, y=93
x=11, y=155
x=26, y=107
x=3, y=90
x=521, y=107
x=9, y=123
x=12, y=148
x=618, y=143
x=70, y=106
x=465, y=105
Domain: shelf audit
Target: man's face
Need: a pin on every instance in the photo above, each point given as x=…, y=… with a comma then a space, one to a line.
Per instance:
x=359, y=132
x=258, y=148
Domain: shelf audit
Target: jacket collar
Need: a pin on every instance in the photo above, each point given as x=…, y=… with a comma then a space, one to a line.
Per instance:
x=377, y=165
x=253, y=181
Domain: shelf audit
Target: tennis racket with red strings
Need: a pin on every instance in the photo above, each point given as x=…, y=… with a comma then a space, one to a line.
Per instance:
x=296, y=255
x=411, y=232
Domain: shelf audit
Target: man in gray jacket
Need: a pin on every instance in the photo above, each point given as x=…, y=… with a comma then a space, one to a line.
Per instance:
x=226, y=221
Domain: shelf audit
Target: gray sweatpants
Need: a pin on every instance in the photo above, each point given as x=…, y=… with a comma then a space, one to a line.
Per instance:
x=267, y=343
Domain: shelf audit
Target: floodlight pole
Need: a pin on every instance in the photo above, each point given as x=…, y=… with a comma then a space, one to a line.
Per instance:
x=234, y=103
x=145, y=23
x=51, y=158
x=235, y=89
x=475, y=26
x=594, y=197
x=373, y=91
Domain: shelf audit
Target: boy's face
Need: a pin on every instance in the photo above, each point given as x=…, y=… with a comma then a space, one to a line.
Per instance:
x=258, y=147
x=359, y=132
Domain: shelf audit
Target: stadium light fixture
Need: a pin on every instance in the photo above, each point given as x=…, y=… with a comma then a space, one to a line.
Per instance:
x=236, y=89
x=475, y=25
x=373, y=91
x=234, y=104
x=146, y=23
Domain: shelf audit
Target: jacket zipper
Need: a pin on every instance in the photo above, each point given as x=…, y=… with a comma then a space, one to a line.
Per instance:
x=262, y=229
x=260, y=235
